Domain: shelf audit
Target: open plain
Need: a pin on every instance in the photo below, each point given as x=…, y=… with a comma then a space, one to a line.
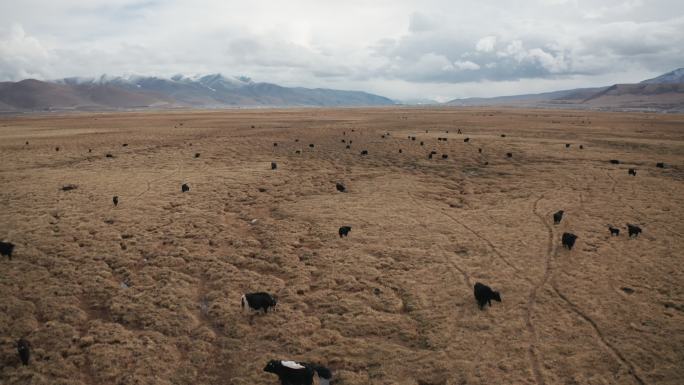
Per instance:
x=148, y=292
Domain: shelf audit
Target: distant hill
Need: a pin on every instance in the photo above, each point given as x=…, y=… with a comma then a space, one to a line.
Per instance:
x=664, y=93
x=210, y=91
x=672, y=77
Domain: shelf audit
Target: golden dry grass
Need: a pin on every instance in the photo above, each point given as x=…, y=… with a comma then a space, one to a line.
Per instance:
x=390, y=304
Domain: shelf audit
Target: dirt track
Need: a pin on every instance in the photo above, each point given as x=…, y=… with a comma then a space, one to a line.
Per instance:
x=148, y=292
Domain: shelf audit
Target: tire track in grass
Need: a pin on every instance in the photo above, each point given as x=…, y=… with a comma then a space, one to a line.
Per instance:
x=612, y=349
x=517, y=271
x=535, y=355
x=579, y=312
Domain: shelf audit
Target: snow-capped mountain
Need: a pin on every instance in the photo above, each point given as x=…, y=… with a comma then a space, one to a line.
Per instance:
x=199, y=91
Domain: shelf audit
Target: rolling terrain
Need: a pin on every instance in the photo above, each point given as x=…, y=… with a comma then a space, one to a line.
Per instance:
x=148, y=292
x=664, y=93
x=140, y=92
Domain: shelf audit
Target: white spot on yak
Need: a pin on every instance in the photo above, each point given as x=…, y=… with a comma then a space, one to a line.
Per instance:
x=292, y=364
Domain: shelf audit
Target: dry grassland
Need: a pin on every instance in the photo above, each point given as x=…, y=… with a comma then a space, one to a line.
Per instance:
x=149, y=292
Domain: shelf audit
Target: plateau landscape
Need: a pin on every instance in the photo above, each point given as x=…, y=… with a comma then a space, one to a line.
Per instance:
x=341, y=193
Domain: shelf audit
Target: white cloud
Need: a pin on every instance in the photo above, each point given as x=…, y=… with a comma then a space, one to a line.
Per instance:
x=22, y=56
x=486, y=44
x=433, y=47
x=466, y=65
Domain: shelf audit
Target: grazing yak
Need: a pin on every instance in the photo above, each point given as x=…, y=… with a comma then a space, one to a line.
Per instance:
x=479, y=150
x=344, y=141
x=275, y=144
x=24, y=350
x=298, y=373
x=581, y=147
x=660, y=165
x=567, y=145
x=400, y=151
x=445, y=156
x=185, y=187
x=197, y=155
x=509, y=154
x=340, y=187
x=614, y=161
x=466, y=140
x=430, y=156
x=108, y=155
x=115, y=200
x=311, y=145
x=364, y=152
x=125, y=145
x=568, y=240
x=274, y=165
x=298, y=151
x=6, y=249
x=503, y=135
x=258, y=301
x=632, y=171
x=348, y=147
x=344, y=231
x=484, y=295
x=421, y=143
x=633, y=230
x=613, y=231
x=557, y=216
x=413, y=138
x=459, y=131
x=56, y=148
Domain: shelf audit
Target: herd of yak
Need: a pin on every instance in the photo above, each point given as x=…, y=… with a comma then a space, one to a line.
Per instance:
x=301, y=373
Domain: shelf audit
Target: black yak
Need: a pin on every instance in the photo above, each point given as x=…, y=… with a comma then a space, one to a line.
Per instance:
x=568, y=240
x=259, y=301
x=298, y=373
x=613, y=231
x=557, y=216
x=633, y=230
x=24, y=350
x=6, y=249
x=344, y=231
x=484, y=295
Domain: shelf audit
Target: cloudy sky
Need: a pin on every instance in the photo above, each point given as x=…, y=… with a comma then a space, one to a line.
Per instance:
x=401, y=49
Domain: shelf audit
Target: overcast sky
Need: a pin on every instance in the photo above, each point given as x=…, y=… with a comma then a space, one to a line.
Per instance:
x=400, y=49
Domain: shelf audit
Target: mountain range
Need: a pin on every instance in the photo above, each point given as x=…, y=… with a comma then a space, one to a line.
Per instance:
x=664, y=93
x=134, y=92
